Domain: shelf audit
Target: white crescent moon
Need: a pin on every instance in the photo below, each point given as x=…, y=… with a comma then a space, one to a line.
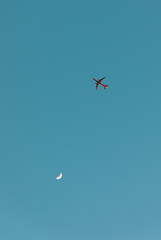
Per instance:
x=60, y=176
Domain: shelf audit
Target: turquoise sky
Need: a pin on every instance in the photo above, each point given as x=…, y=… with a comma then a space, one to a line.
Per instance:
x=107, y=143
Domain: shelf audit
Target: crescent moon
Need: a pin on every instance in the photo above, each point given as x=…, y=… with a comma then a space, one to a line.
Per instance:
x=60, y=176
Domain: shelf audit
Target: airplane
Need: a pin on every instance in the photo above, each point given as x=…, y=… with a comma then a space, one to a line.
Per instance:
x=98, y=82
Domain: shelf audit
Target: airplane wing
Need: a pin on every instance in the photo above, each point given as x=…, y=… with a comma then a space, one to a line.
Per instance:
x=101, y=79
x=94, y=79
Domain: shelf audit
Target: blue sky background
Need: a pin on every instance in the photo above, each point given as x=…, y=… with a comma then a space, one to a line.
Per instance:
x=107, y=142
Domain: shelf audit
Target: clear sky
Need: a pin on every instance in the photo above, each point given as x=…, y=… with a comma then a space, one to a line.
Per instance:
x=107, y=143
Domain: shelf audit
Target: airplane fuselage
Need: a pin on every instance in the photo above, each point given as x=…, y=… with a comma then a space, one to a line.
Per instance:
x=105, y=86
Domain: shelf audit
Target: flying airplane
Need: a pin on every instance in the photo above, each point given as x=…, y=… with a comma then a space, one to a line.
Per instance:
x=98, y=82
